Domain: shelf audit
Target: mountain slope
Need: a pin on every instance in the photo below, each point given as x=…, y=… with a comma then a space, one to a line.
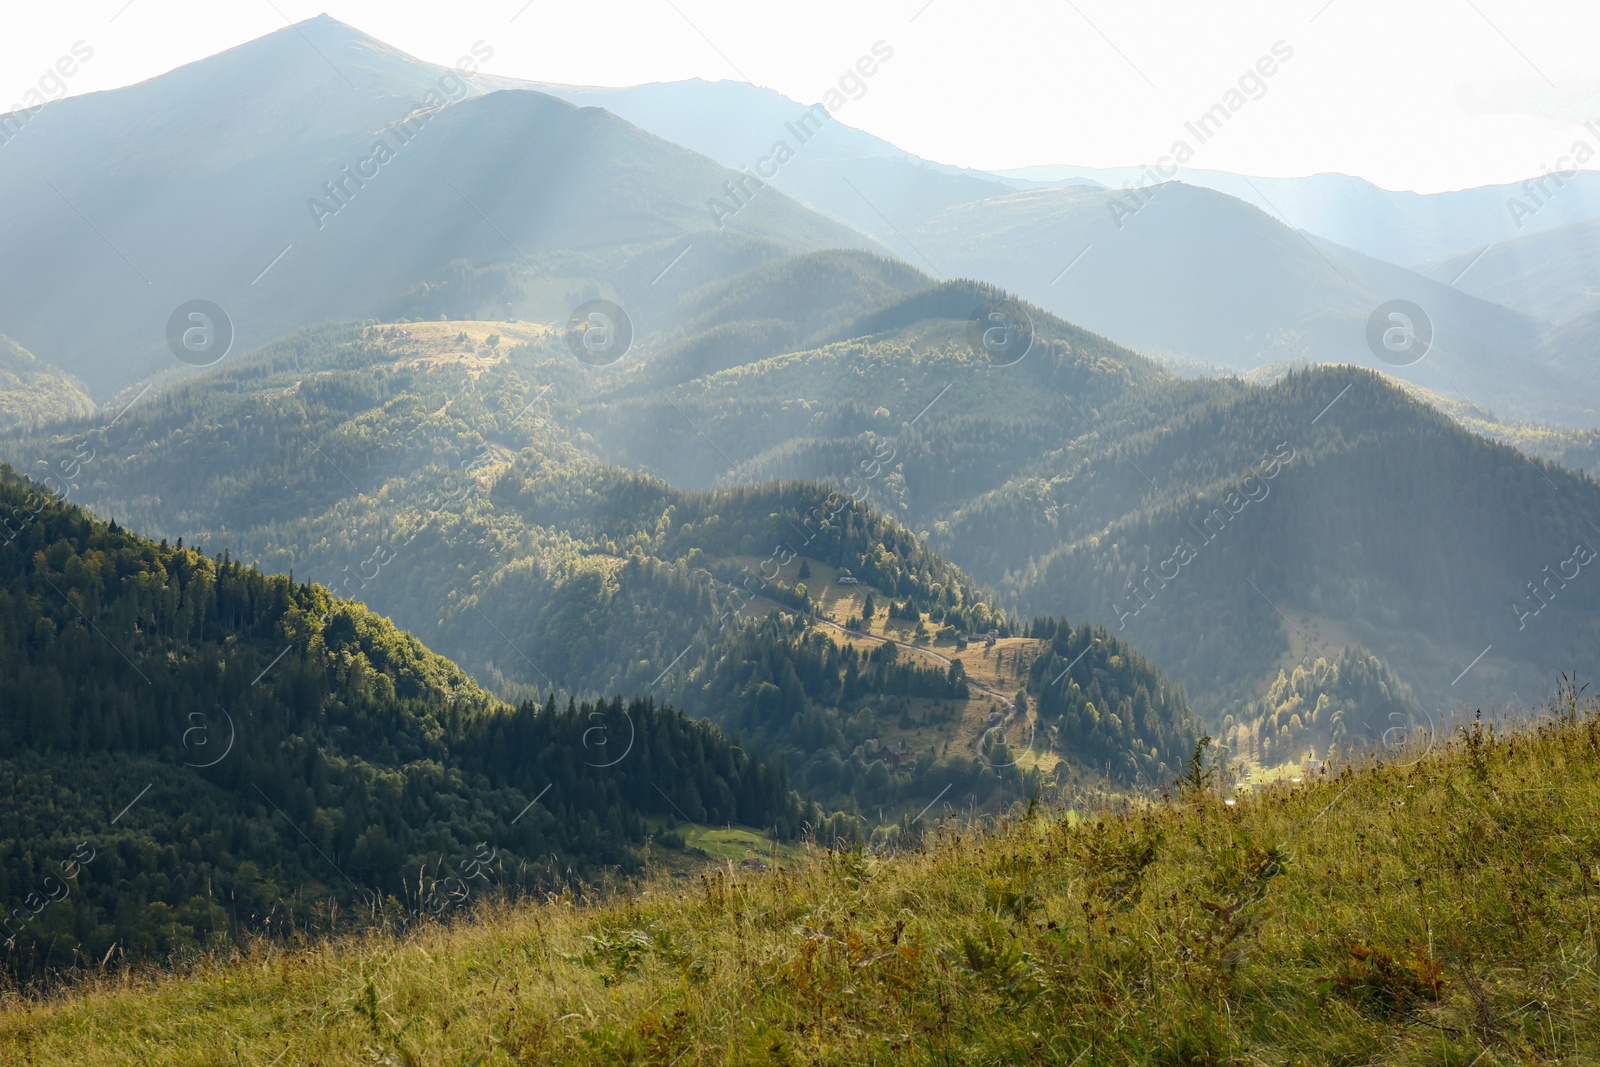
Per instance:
x=1058, y=479
x=777, y=307
x=840, y=171
x=1553, y=275
x=301, y=756
x=1573, y=346
x=1192, y=274
x=1314, y=524
x=1401, y=227
x=31, y=391
x=447, y=482
x=408, y=196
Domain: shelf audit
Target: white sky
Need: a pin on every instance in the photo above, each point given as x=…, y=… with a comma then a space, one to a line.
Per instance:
x=1410, y=94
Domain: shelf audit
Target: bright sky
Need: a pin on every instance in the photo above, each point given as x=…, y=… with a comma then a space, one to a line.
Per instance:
x=1410, y=94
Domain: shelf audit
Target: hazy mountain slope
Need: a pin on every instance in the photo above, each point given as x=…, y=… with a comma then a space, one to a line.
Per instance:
x=1201, y=276
x=1058, y=478
x=1574, y=345
x=1575, y=449
x=1552, y=275
x=303, y=758
x=1343, y=534
x=776, y=307
x=32, y=391
x=1398, y=226
x=192, y=185
x=1482, y=352
x=838, y=170
x=904, y=404
x=1216, y=279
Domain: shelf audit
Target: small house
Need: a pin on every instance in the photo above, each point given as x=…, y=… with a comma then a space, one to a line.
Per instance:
x=894, y=754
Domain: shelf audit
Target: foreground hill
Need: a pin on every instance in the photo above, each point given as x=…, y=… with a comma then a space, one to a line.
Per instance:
x=195, y=752
x=1436, y=909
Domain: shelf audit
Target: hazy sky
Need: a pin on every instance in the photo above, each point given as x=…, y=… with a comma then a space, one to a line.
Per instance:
x=1411, y=94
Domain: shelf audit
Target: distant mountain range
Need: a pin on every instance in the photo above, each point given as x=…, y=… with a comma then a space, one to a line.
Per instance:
x=1185, y=270
x=836, y=169
x=1196, y=275
x=317, y=174
x=1552, y=275
x=1410, y=229
x=321, y=200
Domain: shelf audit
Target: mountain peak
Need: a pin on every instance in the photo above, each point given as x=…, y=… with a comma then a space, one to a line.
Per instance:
x=327, y=24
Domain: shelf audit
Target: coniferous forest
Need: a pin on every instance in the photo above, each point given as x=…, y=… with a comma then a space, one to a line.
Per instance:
x=285, y=757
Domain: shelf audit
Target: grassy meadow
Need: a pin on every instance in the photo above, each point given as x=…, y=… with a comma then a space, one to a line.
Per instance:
x=1440, y=908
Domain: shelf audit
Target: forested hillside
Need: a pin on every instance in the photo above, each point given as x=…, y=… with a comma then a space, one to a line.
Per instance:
x=32, y=391
x=1352, y=703
x=1330, y=510
x=482, y=487
x=1058, y=479
x=436, y=472
x=195, y=750
x=466, y=479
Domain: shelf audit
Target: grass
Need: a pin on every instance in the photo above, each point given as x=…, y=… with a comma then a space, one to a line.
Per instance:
x=737, y=844
x=1441, y=912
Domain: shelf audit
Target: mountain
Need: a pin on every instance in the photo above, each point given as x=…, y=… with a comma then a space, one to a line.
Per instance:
x=1198, y=278
x=30, y=390
x=1281, y=925
x=440, y=473
x=781, y=306
x=495, y=474
x=1402, y=227
x=1348, y=546
x=1058, y=479
x=1193, y=275
x=1574, y=345
x=1553, y=275
x=838, y=170
x=317, y=174
x=200, y=754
